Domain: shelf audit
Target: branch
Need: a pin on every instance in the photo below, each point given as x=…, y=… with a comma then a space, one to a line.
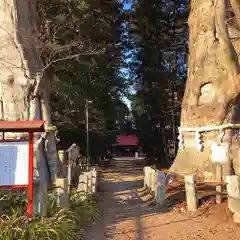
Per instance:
x=73, y=56
x=66, y=47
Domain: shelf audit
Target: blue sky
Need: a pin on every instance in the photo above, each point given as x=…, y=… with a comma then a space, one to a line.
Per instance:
x=126, y=6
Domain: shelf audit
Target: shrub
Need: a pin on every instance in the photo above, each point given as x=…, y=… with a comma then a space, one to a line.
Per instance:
x=59, y=224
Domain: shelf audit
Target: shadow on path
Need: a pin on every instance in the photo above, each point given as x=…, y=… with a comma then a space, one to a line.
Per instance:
x=128, y=212
x=122, y=201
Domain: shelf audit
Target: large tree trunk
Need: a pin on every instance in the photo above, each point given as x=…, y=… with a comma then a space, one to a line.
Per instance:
x=212, y=92
x=23, y=87
x=18, y=59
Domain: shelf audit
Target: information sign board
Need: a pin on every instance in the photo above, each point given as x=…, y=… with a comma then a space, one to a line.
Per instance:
x=14, y=163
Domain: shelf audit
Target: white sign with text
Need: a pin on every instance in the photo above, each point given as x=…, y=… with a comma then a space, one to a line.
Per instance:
x=14, y=157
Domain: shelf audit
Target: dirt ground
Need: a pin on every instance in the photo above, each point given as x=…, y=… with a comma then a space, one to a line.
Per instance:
x=128, y=212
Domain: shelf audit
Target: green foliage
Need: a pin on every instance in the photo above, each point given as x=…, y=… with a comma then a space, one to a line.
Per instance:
x=156, y=49
x=59, y=224
x=81, y=47
x=86, y=209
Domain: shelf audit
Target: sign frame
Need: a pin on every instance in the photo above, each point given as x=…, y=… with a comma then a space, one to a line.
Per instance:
x=23, y=127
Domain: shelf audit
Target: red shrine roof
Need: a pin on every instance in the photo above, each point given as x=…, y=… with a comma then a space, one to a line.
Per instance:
x=127, y=140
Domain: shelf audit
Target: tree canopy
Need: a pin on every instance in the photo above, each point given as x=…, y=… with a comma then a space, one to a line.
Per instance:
x=157, y=50
x=97, y=50
x=81, y=44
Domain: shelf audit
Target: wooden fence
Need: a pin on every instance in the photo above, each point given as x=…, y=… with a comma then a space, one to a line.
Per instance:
x=156, y=182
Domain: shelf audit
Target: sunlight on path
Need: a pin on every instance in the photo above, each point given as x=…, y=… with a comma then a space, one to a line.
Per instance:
x=120, y=202
x=127, y=212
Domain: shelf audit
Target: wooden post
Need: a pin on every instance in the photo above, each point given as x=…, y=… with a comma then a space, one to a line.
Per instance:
x=191, y=193
x=160, y=191
x=219, y=187
x=62, y=192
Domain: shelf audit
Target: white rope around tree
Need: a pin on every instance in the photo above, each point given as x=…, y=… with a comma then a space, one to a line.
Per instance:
x=199, y=130
x=209, y=128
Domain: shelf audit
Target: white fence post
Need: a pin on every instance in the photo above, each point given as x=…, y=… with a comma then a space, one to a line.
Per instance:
x=82, y=186
x=94, y=181
x=191, y=193
x=86, y=181
x=145, y=176
x=73, y=155
x=150, y=179
x=160, y=191
x=233, y=191
x=153, y=180
x=89, y=175
x=69, y=175
x=62, y=192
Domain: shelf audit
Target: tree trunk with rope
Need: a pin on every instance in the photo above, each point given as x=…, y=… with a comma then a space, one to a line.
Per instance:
x=24, y=89
x=211, y=96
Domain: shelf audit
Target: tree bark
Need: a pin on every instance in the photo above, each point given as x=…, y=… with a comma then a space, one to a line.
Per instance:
x=213, y=86
x=23, y=86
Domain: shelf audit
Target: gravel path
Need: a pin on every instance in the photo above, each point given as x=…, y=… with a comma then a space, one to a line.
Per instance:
x=127, y=212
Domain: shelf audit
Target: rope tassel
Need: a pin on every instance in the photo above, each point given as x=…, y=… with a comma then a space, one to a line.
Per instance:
x=199, y=142
x=181, y=141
